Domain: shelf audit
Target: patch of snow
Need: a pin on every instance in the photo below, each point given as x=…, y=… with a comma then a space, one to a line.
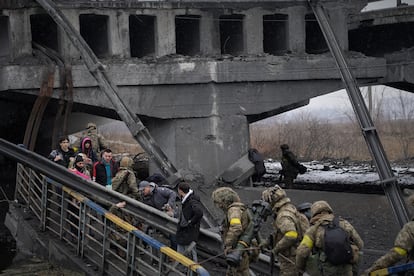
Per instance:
x=325, y=173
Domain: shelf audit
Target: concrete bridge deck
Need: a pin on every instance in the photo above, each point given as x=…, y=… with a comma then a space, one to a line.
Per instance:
x=197, y=74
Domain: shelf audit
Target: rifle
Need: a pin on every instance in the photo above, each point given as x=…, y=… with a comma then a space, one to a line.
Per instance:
x=272, y=256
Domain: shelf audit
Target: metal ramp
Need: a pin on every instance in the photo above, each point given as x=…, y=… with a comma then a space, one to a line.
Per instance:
x=68, y=209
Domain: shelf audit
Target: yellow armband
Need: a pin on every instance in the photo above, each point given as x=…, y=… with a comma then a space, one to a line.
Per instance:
x=400, y=251
x=235, y=221
x=307, y=241
x=291, y=234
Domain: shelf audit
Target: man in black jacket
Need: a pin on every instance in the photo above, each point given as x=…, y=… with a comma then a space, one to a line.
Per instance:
x=290, y=166
x=104, y=170
x=190, y=215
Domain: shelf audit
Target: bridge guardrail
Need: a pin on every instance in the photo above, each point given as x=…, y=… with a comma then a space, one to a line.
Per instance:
x=107, y=242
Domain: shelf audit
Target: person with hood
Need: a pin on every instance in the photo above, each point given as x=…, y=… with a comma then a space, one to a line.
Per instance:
x=402, y=250
x=311, y=255
x=235, y=230
x=288, y=226
x=98, y=141
x=90, y=154
x=189, y=218
x=125, y=181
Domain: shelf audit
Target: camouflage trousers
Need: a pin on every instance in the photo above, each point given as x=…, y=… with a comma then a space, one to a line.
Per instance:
x=333, y=270
x=287, y=266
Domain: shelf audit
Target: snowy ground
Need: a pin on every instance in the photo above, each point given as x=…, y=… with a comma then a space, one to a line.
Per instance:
x=361, y=177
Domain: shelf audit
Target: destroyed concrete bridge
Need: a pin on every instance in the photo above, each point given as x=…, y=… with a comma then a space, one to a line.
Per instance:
x=196, y=73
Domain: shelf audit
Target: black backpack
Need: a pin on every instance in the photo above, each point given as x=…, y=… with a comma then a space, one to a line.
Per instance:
x=337, y=245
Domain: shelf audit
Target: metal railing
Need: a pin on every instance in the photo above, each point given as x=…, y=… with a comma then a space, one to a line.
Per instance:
x=113, y=245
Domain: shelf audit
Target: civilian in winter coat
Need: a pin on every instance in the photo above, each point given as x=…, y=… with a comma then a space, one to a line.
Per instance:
x=90, y=155
x=64, y=154
x=160, y=198
x=290, y=166
x=189, y=219
x=104, y=170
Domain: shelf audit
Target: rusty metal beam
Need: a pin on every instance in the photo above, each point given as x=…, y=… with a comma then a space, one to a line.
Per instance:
x=97, y=69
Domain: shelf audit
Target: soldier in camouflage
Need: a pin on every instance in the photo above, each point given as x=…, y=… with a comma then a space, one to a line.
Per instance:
x=125, y=181
x=310, y=256
x=237, y=220
x=120, y=236
x=98, y=141
x=288, y=229
x=402, y=250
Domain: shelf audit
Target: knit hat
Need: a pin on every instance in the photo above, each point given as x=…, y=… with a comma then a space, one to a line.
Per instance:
x=79, y=158
x=144, y=184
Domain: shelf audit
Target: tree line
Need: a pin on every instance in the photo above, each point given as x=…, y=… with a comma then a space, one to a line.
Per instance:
x=313, y=138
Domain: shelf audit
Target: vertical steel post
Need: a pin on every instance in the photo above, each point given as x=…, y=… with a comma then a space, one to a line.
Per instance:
x=388, y=180
x=44, y=204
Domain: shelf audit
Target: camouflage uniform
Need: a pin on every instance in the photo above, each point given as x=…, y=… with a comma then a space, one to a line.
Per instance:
x=288, y=229
x=403, y=246
x=310, y=256
x=235, y=223
x=120, y=235
x=124, y=181
x=98, y=141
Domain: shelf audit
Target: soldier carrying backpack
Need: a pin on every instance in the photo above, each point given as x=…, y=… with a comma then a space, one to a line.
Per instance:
x=330, y=246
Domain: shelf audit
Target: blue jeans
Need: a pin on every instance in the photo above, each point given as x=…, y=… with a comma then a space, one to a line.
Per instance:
x=182, y=248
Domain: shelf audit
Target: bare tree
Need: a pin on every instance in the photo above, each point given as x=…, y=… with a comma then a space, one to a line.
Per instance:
x=400, y=121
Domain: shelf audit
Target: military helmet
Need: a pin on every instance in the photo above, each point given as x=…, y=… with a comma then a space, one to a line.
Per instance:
x=224, y=196
x=319, y=207
x=126, y=162
x=411, y=199
x=273, y=194
x=284, y=147
x=304, y=206
x=91, y=126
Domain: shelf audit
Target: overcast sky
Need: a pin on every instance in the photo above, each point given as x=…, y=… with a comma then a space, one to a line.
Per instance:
x=386, y=4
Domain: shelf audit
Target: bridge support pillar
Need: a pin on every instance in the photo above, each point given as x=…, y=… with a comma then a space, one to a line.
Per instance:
x=166, y=26
x=20, y=37
x=67, y=48
x=296, y=29
x=209, y=41
x=339, y=25
x=254, y=31
x=207, y=145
